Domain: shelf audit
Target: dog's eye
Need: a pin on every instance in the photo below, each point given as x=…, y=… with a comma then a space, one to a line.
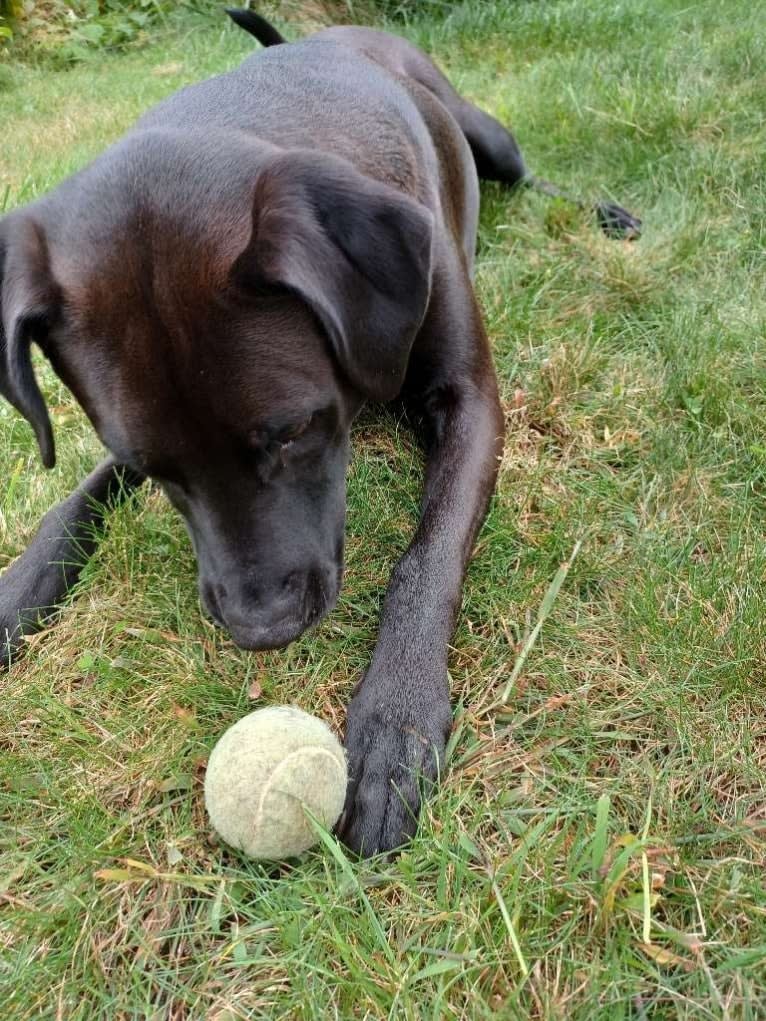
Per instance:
x=293, y=432
x=269, y=442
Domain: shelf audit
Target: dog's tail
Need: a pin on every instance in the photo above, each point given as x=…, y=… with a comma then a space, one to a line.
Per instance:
x=615, y=221
x=253, y=23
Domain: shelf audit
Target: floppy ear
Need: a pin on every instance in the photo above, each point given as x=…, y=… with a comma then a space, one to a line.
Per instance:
x=28, y=304
x=356, y=251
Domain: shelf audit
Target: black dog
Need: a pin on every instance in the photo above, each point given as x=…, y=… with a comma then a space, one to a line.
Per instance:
x=221, y=290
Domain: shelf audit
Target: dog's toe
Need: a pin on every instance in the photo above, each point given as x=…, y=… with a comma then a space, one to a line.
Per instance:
x=617, y=222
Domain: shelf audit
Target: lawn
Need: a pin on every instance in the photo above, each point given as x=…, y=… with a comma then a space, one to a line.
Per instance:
x=597, y=847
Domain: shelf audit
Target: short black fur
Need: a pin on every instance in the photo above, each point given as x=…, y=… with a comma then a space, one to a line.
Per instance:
x=221, y=290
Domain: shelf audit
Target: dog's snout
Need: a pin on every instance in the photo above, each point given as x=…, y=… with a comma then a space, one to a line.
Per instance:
x=267, y=614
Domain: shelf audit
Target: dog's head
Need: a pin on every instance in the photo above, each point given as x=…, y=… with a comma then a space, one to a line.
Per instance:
x=221, y=311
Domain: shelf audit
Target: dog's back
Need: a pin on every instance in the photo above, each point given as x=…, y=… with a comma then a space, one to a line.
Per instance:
x=318, y=94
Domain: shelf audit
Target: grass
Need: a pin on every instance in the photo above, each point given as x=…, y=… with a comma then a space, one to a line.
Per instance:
x=597, y=848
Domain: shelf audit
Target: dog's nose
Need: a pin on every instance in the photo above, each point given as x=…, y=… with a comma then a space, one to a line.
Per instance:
x=263, y=615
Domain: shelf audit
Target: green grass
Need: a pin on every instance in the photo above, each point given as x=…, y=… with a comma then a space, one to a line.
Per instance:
x=597, y=848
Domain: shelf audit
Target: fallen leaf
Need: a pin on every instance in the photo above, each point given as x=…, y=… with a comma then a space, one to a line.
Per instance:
x=556, y=701
x=165, y=70
x=170, y=636
x=181, y=782
x=662, y=956
x=174, y=855
x=185, y=716
x=114, y=875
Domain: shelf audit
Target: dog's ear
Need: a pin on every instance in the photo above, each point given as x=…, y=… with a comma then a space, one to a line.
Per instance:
x=28, y=305
x=357, y=251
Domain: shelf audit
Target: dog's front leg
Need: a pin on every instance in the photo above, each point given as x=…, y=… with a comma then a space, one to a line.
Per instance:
x=400, y=716
x=37, y=582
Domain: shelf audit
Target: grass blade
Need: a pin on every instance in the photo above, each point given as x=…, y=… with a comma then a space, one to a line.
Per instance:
x=545, y=608
x=601, y=833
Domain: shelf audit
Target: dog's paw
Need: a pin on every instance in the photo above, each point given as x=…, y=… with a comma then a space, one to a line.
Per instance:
x=14, y=624
x=617, y=222
x=9, y=640
x=395, y=754
x=9, y=627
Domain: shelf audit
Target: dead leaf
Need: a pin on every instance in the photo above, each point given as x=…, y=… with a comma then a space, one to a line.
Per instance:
x=170, y=636
x=180, y=782
x=174, y=855
x=185, y=716
x=662, y=956
x=557, y=701
x=165, y=70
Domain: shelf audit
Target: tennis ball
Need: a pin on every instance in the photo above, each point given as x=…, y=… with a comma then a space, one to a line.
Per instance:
x=263, y=771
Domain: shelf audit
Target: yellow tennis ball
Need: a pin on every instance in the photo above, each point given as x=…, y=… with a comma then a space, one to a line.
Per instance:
x=264, y=771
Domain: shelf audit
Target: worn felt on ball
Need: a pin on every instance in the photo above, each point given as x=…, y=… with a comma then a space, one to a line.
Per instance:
x=263, y=771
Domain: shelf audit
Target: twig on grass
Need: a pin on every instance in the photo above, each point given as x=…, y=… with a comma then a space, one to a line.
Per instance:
x=544, y=612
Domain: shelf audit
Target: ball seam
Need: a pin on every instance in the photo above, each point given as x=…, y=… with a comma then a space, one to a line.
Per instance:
x=340, y=763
